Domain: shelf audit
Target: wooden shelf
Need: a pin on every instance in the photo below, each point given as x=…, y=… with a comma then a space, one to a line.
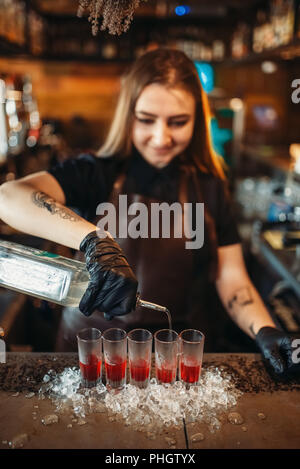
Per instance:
x=8, y=48
x=283, y=53
x=287, y=52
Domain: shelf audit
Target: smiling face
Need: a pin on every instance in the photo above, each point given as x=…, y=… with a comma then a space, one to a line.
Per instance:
x=163, y=123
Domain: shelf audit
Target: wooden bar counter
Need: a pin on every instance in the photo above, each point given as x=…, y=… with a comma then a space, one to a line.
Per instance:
x=270, y=411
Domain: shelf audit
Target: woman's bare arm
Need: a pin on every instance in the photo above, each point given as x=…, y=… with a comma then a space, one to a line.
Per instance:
x=238, y=294
x=35, y=205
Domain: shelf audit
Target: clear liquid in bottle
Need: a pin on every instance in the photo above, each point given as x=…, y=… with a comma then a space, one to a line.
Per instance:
x=41, y=274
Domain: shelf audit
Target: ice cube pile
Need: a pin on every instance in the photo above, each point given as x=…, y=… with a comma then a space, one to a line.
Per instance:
x=148, y=410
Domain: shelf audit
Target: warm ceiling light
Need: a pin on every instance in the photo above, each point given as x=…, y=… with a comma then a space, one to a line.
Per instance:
x=236, y=104
x=268, y=67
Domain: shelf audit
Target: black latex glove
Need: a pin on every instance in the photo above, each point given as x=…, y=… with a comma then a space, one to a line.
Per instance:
x=277, y=349
x=112, y=287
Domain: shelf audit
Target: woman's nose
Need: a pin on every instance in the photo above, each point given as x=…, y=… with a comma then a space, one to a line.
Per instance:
x=161, y=136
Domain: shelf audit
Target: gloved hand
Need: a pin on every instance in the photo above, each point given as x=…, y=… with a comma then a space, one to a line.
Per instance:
x=279, y=351
x=112, y=287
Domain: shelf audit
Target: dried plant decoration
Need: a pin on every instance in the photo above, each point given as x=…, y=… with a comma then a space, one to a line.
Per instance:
x=116, y=15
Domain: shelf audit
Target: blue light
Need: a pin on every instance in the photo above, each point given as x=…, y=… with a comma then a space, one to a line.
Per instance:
x=206, y=75
x=219, y=137
x=182, y=10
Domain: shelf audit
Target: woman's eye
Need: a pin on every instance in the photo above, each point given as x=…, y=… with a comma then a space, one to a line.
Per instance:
x=145, y=121
x=178, y=123
x=171, y=124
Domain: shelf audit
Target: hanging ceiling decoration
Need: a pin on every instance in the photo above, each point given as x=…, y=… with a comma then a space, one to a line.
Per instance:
x=116, y=15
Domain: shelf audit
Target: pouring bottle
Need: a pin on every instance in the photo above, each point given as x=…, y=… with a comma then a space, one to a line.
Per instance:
x=48, y=276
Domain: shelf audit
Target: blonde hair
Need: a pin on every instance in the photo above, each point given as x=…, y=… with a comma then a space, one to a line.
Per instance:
x=173, y=69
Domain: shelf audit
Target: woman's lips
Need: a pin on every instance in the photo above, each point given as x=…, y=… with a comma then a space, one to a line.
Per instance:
x=161, y=151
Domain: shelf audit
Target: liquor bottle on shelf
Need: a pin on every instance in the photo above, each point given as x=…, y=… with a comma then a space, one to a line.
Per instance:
x=31, y=109
x=241, y=41
x=279, y=29
x=258, y=31
x=3, y=126
x=15, y=114
x=36, y=28
x=12, y=21
x=283, y=20
x=19, y=23
x=218, y=50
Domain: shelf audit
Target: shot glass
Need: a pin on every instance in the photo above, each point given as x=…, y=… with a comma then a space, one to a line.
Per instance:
x=191, y=353
x=166, y=351
x=90, y=356
x=139, y=353
x=115, y=357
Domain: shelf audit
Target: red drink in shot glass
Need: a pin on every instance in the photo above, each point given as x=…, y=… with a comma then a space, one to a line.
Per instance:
x=91, y=370
x=139, y=370
x=191, y=353
x=115, y=357
x=165, y=373
x=190, y=370
x=166, y=352
x=115, y=370
x=90, y=356
x=139, y=353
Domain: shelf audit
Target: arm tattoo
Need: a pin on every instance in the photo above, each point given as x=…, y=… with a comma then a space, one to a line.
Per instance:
x=241, y=297
x=45, y=201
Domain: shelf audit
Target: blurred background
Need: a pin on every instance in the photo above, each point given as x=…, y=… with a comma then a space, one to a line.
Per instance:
x=58, y=89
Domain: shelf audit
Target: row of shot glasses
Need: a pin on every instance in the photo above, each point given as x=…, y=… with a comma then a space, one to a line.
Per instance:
x=184, y=349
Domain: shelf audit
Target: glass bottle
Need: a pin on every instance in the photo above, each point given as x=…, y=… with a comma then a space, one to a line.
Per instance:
x=50, y=277
x=42, y=274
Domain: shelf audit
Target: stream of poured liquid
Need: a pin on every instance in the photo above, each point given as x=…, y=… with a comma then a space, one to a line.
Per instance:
x=169, y=318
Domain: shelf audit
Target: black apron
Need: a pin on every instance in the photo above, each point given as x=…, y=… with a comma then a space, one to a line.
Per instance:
x=165, y=271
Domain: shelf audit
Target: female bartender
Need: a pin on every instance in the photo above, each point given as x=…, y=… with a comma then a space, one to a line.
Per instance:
x=158, y=150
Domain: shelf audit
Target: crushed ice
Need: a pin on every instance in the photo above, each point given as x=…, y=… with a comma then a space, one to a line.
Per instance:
x=18, y=441
x=49, y=419
x=235, y=418
x=148, y=410
x=66, y=393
